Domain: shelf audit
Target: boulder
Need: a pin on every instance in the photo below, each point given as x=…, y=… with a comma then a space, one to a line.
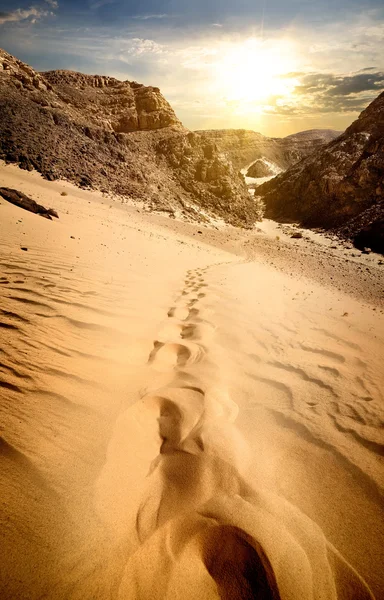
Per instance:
x=259, y=169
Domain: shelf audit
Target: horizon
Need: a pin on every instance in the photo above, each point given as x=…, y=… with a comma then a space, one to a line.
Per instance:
x=273, y=69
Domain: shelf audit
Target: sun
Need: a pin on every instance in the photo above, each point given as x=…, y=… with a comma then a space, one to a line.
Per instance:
x=252, y=71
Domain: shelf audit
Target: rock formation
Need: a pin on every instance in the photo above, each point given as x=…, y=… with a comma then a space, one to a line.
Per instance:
x=119, y=137
x=338, y=186
x=242, y=147
x=259, y=169
x=121, y=106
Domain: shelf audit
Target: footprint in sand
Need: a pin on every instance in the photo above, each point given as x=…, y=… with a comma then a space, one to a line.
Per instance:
x=179, y=312
x=170, y=355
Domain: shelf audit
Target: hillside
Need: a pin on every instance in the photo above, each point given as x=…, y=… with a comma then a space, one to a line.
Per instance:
x=243, y=147
x=339, y=186
x=118, y=137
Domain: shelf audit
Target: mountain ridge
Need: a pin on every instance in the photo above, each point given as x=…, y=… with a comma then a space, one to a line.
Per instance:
x=243, y=147
x=119, y=137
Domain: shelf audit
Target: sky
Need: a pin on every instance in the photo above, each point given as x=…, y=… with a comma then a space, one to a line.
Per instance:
x=274, y=66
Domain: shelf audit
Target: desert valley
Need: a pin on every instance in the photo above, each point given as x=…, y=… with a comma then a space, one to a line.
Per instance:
x=191, y=350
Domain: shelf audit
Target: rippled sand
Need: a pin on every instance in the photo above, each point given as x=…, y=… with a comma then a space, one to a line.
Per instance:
x=177, y=422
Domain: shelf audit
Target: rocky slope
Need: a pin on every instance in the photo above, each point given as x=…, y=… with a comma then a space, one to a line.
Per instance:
x=243, y=147
x=340, y=185
x=120, y=137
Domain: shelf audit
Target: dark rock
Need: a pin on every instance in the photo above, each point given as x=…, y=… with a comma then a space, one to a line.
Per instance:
x=340, y=186
x=371, y=237
x=297, y=235
x=259, y=169
x=21, y=200
x=24, y=248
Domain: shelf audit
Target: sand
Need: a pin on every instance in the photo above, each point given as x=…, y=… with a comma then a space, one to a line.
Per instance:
x=185, y=415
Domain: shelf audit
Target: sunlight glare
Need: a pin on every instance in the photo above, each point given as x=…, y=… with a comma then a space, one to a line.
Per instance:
x=252, y=71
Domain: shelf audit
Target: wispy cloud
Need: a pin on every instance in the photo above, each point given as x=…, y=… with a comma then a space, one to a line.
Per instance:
x=148, y=17
x=21, y=15
x=33, y=13
x=138, y=47
x=318, y=93
x=95, y=4
x=341, y=85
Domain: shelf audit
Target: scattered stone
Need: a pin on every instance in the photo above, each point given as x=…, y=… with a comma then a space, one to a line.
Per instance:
x=72, y=237
x=297, y=235
x=366, y=251
x=24, y=248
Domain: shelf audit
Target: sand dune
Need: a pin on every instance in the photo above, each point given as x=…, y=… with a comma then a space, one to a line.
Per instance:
x=178, y=421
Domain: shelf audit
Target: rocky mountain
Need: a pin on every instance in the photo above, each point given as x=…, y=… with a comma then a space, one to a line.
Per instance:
x=243, y=147
x=340, y=185
x=119, y=137
x=259, y=169
x=317, y=136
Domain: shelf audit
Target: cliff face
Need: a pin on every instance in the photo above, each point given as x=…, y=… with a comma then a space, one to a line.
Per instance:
x=338, y=183
x=119, y=137
x=121, y=106
x=242, y=147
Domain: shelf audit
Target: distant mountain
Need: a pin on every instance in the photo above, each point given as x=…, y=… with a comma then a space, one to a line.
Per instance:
x=242, y=147
x=340, y=185
x=116, y=136
x=319, y=136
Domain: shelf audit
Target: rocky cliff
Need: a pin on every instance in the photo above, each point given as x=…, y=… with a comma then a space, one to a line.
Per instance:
x=243, y=147
x=338, y=186
x=119, y=137
x=121, y=106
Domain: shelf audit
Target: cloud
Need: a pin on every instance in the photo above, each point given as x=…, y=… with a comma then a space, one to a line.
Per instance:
x=21, y=15
x=341, y=85
x=95, y=4
x=318, y=93
x=148, y=17
x=138, y=47
x=338, y=66
x=34, y=13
